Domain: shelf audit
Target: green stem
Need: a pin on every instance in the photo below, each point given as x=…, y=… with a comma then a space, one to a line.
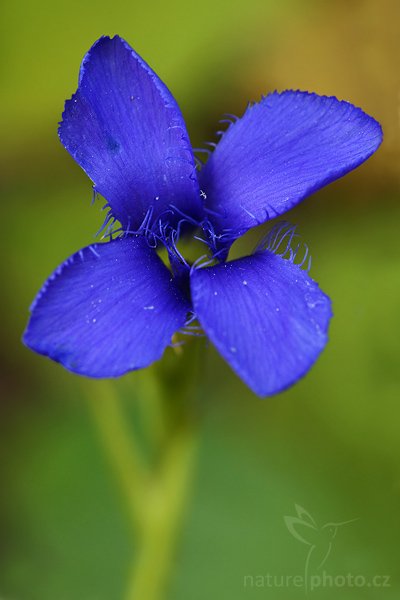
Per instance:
x=165, y=506
x=155, y=490
x=122, y=452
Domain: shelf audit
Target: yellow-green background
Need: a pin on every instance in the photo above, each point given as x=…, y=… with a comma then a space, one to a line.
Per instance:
x=332, y=443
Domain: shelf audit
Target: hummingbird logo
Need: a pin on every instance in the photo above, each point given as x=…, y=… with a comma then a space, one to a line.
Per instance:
x=319, y=539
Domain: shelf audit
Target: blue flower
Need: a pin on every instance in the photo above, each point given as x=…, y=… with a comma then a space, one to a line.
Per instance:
x=113, y=307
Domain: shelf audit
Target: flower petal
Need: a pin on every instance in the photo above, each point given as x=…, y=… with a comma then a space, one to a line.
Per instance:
x=124, y=128
x=108, y=309
x=284, y=148
x=265, y=316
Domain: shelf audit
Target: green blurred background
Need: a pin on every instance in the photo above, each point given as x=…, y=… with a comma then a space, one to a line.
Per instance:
x=331, y=444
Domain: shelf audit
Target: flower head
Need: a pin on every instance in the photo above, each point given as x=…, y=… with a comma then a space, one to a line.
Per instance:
x=114, y=306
